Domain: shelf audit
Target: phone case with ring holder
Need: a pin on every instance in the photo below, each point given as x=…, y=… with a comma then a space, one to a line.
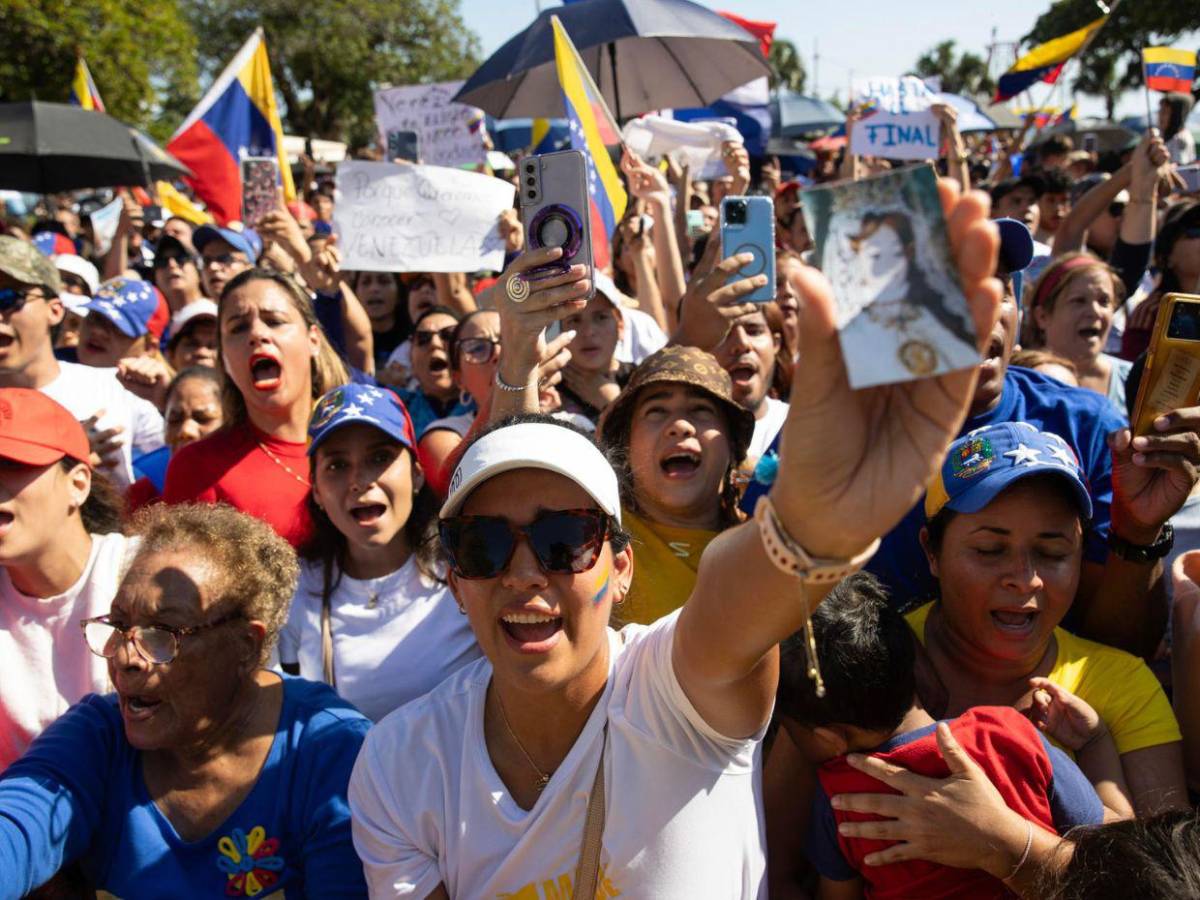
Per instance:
x=554, y=203
x=748, y=226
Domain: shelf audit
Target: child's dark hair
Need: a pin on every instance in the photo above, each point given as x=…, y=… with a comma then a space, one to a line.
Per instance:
x=104, y=509
x=866, y=654
x=1151, y=859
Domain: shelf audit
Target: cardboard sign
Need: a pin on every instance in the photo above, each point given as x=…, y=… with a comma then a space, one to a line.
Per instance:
x=401, y=218
x=898, y=124
x=448, y=134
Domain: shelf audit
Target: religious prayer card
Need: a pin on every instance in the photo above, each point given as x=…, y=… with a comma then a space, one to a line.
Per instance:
x=882, y=243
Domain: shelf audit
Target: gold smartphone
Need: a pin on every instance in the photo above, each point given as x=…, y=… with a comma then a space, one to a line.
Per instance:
x=1171, y=377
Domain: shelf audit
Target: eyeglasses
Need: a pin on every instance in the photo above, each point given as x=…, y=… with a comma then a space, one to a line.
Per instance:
x=157, y=644
x=425, y=338
x=162, y=260
x=12, y=300
x=565, y=541
x=477, y=349
x=224, y=260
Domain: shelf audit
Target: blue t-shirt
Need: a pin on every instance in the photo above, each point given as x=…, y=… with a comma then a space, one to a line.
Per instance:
x=422, y=410
x=78, y=794
x=1081, y=417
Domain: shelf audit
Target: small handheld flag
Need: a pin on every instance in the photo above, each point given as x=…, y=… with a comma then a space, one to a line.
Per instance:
x=236, y=118
x=1167, y=69
x=592, y=127
x=1045, y=62
x=83, y=89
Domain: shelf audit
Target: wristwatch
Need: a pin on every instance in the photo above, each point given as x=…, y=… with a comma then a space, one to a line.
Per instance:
x=1143, y=553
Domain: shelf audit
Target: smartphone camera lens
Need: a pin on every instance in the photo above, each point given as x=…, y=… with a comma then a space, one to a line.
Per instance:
x=531, y=181
x=735, y=213
x=532, y=195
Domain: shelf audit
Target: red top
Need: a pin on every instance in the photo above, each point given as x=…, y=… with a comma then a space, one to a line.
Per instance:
x=1009, y=749
x=141, y=493
x=251, y=471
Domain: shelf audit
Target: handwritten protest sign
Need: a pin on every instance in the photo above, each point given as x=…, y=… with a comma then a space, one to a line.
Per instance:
x=104, y=224
x=448, y=134
x=898, y=123
x=401, y=218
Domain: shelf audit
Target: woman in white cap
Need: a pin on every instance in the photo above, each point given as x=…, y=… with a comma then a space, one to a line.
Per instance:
x=580, y=756
x=79, y=281
x=371, y=615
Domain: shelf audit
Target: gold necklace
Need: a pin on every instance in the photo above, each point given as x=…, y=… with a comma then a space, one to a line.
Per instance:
x=543, y=778
x=279, y=462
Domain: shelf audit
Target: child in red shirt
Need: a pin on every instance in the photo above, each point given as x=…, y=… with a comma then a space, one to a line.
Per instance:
x=867, y=660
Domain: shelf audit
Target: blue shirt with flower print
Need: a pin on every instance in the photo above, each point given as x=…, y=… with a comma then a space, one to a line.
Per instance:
x=78, y=795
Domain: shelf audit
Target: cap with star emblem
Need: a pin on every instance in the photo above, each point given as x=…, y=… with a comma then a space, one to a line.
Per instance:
x=134, y=307
x=982, y=463
x=360, y=403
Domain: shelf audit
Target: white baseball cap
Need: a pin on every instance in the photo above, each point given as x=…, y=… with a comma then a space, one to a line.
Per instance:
x=535, y=445
x=189, y=313
x=77, y=265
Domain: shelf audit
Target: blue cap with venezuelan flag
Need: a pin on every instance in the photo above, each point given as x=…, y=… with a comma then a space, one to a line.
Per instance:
x=83, y=89
x=236, y=118
x=1045, y=62
x=1168, y=69
x=592, y=127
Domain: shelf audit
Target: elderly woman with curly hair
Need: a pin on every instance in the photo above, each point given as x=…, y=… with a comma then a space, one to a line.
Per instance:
x=204, y=775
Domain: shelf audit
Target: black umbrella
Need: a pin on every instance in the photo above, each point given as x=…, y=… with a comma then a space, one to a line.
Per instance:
x=46, y=148
x=642, y=54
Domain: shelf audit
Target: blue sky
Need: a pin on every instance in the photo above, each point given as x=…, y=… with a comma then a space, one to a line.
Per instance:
x=897, y=35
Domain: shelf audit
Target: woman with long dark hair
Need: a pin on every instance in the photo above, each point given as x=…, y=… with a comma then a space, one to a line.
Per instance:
x=371, y=615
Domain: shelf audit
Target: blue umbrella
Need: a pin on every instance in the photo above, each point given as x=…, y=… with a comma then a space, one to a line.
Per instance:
x=642, y=54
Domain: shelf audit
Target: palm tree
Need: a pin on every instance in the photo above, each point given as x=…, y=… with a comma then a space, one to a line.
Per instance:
x=787, y=68
x=964, y=74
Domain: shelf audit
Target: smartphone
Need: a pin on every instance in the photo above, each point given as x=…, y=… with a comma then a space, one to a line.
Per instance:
x=554, y=210
x=1171, y=377
x=748, y=226
x=1090, y=143
x=695, y=223
x=260, y=188
x=1191, y=177
x=403, y=145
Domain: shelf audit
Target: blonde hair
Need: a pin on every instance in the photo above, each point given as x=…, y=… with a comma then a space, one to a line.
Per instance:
x=328, y=370
x=1051, y=284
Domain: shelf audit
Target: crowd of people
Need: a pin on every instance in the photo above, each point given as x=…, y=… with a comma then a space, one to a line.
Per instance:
x=334, y=584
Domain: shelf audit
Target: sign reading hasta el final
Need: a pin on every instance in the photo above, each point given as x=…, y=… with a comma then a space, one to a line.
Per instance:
x=898, y=123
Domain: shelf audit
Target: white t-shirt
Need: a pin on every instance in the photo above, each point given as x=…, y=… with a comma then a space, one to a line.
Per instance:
x=766, y=428
x=394, y=638
x=640, y=337
x=45, y=666
x=681, y=813
x=84, y=390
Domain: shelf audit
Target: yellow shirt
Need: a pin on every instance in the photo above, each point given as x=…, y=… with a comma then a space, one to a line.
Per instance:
x=664, y=568
x=1119, y=686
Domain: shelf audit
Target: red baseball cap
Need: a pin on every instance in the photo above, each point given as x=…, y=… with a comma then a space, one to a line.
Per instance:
x=37, y=431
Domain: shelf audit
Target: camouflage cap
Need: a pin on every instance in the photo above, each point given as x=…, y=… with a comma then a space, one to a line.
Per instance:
x=679, y=365
x=28, y=265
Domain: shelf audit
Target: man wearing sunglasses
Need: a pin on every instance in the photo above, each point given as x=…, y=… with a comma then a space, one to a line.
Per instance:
x=176, y=273
x=568, y=727
x=115, y=420
x=224, y=253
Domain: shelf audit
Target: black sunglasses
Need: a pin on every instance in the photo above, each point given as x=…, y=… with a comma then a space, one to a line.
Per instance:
x=162, y=260
x=425, y=338
x=566, y=541
x=12, y=300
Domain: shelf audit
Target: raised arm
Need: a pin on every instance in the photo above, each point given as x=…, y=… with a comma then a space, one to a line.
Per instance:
x=852, y=464
x=1073, y=230
x=650, y=185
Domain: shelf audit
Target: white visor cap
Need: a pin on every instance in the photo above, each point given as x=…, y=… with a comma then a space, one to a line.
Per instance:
x=535, y=445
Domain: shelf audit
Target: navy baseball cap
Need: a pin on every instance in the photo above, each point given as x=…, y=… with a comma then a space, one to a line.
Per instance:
x=134, y=307
x=360, y=403
x=1016, y=245
x=246, y=241
x=983, y=463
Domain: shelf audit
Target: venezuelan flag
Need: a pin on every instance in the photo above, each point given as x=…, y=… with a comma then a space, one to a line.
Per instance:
x=83, y=89
x=1168, y=69
x=236, y=118
x=592, y=127
x=1045, y=62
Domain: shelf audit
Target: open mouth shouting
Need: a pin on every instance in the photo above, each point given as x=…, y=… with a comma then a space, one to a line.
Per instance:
x=265, y=372
x=743, y=372
x=530, y=630
x=680, y=463
x=138, y=707
x=1091, y=333
x=1019, y=623
x=368, y=514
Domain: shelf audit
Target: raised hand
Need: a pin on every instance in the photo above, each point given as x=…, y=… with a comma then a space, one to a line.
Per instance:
x=854, y=462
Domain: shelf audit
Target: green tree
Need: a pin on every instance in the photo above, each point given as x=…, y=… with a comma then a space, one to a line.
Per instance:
x=787, y=67
x=1112, y=64
x=327, y=57
x=141, y=55
x=965, y=73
